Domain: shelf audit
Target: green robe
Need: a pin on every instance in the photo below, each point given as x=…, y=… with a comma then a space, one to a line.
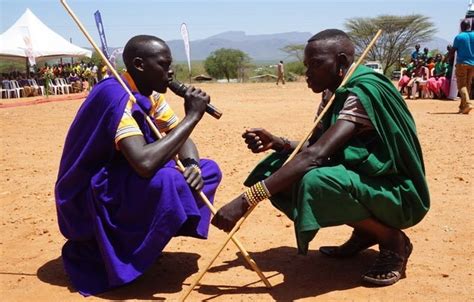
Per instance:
x=382, y=177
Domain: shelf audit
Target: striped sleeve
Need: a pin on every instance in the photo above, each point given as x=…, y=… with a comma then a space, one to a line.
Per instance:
x=354, y=111
x=127, y=126
x=164, y=116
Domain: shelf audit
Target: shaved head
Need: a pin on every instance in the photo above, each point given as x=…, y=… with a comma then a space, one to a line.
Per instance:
x=148, y=60
x=141, y=46
x=335, y=40
x=327, y=57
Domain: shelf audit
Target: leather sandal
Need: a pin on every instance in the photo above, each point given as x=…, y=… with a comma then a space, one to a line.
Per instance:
x=356, y=244
x=389, y=267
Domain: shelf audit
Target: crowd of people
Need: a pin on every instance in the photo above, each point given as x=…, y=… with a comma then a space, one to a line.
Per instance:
x=77, y=77
x=427, y=75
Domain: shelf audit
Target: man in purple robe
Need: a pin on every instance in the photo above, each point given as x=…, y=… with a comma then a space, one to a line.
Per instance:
x=119, y=196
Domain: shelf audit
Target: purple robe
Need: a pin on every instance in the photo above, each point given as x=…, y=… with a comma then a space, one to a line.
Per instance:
x=116, y=222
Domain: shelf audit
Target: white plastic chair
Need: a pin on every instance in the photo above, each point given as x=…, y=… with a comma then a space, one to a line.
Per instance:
x=36, y=86
x=19, y=90
x=60, y=86
x=52, y=87
x=6, y=87
x=64, y=83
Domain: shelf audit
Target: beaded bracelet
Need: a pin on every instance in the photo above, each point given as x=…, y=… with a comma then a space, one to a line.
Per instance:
x=256, y=193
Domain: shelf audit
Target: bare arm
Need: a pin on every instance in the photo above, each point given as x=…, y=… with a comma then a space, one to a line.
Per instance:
x=147, y=158
x=332, y=141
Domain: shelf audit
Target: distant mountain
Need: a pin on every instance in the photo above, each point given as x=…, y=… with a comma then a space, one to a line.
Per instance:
x=437, y=43
x=258, y=47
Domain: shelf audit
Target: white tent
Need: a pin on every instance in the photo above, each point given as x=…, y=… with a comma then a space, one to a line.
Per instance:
x=30, y=38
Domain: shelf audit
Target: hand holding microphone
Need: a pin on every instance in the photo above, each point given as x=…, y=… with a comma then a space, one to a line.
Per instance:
x=180, y=89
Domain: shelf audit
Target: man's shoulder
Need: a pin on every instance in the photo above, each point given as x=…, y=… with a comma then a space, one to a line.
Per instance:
x=464, y=36
x=106, y=91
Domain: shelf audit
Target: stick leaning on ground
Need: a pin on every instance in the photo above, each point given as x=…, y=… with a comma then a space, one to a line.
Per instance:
x=155, y=130
x=293, y=154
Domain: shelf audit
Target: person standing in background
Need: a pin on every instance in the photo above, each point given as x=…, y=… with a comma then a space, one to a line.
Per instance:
x=464, y=47
x=281, y=73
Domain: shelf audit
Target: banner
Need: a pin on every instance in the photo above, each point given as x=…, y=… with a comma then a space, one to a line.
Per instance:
x=100, y=27
x=185, y=35
x=113, y=58
x=29, y=48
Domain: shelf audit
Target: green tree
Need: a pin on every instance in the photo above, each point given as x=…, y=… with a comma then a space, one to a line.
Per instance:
x=295, y=51
x=228, y=63
x=399, y=33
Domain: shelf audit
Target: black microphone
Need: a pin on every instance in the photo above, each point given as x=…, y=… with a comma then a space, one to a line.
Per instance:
x=180, y=89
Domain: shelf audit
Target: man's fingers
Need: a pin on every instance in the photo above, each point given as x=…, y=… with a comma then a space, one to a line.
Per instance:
x=248, y=135
x=195, y=182
x=186, y=172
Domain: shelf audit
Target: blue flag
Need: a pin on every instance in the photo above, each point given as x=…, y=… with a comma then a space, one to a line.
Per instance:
x=100, y=27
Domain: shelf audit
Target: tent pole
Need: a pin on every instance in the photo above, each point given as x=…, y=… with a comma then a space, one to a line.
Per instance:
x=27, y=68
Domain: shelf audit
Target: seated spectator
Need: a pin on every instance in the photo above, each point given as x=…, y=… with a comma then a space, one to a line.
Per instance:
x=28, y=90
x=417, y=84
x=76, y=82
x=405, y=76
x=425, y=55
x=404, y=80
x=416, y=53
x=430, y=64
x=438, y=84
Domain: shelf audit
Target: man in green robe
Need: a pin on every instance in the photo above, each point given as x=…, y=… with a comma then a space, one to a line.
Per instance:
x=362, y=166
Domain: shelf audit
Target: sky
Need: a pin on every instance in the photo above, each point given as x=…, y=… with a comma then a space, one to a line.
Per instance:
x=125, y=18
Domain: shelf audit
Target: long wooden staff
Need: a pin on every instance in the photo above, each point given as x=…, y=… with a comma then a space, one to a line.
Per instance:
x=241, y=221
x=155, y=130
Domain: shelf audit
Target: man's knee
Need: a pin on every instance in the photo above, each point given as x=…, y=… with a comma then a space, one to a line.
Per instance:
x=211, y=169
x=326, y=180
x=169, y=174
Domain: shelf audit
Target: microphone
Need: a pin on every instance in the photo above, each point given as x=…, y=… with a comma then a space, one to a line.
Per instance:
x=180, y=89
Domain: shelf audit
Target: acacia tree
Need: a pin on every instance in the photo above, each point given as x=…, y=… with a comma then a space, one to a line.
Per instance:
x=226, y=62
x=295, y=50
x=399, y=33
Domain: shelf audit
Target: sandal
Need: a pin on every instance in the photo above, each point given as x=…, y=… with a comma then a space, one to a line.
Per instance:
x=356, y=244
x=389, y=266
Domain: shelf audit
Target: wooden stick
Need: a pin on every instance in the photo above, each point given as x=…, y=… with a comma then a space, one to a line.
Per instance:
x=155, y=130
x=203, y=271
x=241, y=221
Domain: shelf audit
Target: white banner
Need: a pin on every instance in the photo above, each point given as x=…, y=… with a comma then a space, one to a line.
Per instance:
x=29, y=47
x=185, y=35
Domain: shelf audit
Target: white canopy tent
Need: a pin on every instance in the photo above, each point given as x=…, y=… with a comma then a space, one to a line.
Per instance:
x=31, y=39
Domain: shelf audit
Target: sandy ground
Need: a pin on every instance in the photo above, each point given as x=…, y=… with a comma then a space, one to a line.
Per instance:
x=440, y=268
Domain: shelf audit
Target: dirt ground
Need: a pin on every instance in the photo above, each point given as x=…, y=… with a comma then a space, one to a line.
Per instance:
x=440, y=268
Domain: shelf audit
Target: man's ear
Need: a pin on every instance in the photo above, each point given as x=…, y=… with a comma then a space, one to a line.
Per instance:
x=343, y=61
x=138, y=63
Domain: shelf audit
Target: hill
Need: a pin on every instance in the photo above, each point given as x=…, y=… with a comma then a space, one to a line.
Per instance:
x=261, y=48
x=258, y=47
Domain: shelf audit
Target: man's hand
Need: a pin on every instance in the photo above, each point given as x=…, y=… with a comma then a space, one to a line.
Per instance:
x=227, y=216
x=193, y=177
x=195, y=101
x=260, y=140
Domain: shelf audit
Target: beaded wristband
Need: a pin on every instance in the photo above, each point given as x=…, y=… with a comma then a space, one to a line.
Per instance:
x=256, y=193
